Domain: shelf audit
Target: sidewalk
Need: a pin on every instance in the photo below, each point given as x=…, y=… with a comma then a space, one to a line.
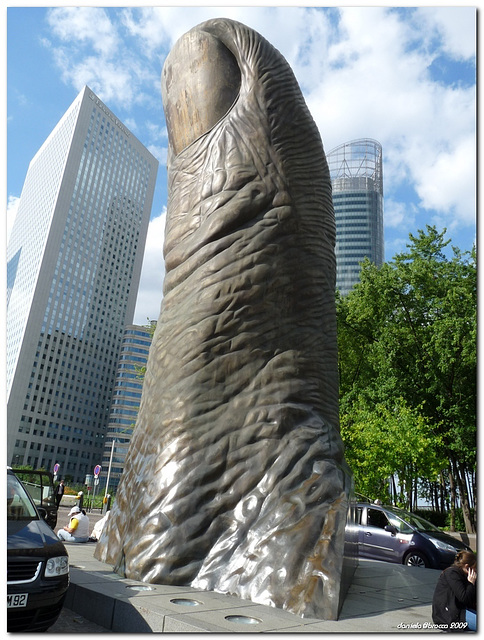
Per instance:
x=384, y=597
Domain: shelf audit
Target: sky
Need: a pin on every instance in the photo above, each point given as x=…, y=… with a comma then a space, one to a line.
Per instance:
x=403, y=76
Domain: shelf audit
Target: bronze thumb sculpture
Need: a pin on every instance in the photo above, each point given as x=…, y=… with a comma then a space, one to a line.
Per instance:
x=235, y=480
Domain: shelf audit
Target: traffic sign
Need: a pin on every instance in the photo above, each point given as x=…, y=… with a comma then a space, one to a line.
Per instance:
x=97, y=470
x=56, y=467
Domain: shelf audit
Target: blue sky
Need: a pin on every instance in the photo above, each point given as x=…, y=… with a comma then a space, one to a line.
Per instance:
x=403, y=76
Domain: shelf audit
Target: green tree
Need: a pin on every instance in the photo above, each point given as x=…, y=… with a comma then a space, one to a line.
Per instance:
x=388, y=448
x=408, y=330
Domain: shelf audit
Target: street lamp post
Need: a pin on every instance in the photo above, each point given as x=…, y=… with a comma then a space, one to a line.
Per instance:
x=109, y=470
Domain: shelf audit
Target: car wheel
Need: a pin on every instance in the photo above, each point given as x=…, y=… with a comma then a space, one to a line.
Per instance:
x=416, y=559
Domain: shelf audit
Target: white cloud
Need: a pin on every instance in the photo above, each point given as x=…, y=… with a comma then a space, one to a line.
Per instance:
x=397, y=214
x=108, y=80
x=93, y=52
x=85, y=24
x=131, y=124
x=378, y=85
x=447, y=184
x=397, y=244
x=150, y=292
x=157, y=130
x=452, y=27
x=158, y=28
x=365, y=72
x=160, y=153
x=150, y=26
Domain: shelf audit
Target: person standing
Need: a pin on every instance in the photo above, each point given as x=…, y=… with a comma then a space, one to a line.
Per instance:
x=78, y=528
x=59, y=492
x=454, y=602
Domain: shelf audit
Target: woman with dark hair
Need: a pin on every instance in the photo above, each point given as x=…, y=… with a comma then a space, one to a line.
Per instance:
x=454, y=602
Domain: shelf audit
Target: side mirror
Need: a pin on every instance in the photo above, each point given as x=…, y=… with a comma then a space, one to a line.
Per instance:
x=42, y=513
x=391, y=528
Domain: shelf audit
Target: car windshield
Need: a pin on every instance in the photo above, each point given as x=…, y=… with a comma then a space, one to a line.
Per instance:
x=405, y=518
x=19, y=506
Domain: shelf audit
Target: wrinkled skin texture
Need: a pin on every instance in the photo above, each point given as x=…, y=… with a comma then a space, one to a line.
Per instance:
x=235, y=479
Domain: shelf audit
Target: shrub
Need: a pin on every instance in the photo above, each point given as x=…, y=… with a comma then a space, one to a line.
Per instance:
x=459, y=520
x=437, y=518
x=442, y=520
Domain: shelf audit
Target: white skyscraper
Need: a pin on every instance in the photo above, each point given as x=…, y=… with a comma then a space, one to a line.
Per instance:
x=74, y=261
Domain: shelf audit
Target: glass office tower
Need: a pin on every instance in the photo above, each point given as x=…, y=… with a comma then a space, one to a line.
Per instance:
x=73, y=266
x=357, y=180
x=125, y=402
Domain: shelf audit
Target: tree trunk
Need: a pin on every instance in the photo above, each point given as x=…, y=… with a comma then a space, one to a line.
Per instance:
x=452, y=500
x=434, y=496
x=464, y=498
x=394, y=490
x=474, y=493
x=408, y=489
x=470, y=488
x=443, y=494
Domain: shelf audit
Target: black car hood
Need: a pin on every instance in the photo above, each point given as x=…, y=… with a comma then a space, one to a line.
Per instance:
x=444, y=537
x=32, y=537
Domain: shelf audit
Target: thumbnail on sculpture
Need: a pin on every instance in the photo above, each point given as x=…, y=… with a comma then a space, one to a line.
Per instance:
x=235, y=479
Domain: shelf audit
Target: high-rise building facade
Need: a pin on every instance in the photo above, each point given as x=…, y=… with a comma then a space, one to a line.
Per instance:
x=74, y=260
x=357, y=181
x=125, y=402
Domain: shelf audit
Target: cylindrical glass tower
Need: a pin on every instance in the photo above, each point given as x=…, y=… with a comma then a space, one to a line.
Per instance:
x=357, y=180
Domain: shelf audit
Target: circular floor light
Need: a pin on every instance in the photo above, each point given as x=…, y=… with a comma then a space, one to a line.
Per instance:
x=185, y=602
x=242, y=619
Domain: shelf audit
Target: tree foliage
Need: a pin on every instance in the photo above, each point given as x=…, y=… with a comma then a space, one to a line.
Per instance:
x=407, y=338
x=385, y=442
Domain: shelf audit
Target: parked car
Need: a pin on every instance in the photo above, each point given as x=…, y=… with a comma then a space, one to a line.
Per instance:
x=40, y=486
x=395, y=535
x=37, y=564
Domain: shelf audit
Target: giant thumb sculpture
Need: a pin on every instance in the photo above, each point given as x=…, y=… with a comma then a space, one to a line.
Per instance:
x=235, y=480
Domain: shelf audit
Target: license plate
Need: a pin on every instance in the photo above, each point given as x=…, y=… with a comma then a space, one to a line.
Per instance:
x=17, y=600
